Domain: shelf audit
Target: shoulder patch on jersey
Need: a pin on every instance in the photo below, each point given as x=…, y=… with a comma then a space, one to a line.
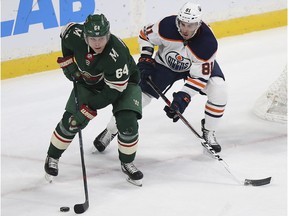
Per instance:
x=204, y=44
x=116, y=49
x=66, y=28
x=168, y=29
x=113, y=54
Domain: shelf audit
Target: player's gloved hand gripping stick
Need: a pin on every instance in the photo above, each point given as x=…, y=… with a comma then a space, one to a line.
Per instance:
x=69, y=67
x=254, y=182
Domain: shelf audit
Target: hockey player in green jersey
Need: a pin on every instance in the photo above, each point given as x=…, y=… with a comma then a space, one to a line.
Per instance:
x=106, y=74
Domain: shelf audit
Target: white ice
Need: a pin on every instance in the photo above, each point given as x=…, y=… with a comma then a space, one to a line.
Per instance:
x=179, y=179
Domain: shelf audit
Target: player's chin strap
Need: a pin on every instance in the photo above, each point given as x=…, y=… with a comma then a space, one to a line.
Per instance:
x=208, y=147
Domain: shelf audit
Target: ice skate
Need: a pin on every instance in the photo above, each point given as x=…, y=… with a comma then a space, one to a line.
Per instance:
x=209, y=137
x=51, y=168
x=134, y=176
x=103, y=140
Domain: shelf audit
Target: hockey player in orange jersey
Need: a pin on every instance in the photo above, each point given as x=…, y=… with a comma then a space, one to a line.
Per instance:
x=186, y=50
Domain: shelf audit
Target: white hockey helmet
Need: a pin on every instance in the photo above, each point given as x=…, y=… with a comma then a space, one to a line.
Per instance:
x=190, y=13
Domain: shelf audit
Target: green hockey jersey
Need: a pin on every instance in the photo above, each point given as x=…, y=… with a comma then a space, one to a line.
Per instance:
x=108, y=72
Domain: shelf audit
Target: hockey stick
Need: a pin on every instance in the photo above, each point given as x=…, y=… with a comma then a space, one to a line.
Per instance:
x=82, y=207
x=253, y=182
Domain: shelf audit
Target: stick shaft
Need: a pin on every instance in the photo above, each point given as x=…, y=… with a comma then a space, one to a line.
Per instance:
x=81, y=146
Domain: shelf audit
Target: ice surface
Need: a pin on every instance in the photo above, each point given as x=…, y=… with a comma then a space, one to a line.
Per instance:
x=178, y=178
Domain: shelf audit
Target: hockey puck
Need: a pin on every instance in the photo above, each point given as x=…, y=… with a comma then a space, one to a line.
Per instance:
x=64, y=209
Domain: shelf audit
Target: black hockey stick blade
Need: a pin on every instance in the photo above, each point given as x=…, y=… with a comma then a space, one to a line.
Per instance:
x=81, y=208
x=257, y=182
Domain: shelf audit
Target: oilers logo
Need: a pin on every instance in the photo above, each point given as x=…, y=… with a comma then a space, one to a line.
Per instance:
x=177, y=62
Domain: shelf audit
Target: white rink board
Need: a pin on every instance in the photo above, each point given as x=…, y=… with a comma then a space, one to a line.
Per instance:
x=33, y=28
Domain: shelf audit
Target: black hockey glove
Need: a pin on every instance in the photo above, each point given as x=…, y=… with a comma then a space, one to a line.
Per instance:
x=81, y=118
x=179, y=103
x=146, y=65
x=69, y=67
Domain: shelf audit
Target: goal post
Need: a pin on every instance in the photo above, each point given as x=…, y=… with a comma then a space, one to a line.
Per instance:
x=272, y=105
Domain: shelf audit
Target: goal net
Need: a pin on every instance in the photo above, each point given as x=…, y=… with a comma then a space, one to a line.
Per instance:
x=272, y=105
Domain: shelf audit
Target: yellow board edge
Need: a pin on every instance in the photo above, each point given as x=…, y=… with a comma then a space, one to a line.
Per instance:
x=44, y=62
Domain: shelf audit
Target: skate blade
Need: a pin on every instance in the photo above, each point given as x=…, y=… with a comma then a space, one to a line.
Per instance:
x=135, y=182
x=49, y=178
x=208, y=153
x=94, y=150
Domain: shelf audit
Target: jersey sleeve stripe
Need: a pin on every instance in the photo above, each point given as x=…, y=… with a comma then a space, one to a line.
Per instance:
x=197, y=82
x=194, y=85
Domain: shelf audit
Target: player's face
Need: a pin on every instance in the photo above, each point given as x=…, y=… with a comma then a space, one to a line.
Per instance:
x=188, y=30
x=97, y=43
